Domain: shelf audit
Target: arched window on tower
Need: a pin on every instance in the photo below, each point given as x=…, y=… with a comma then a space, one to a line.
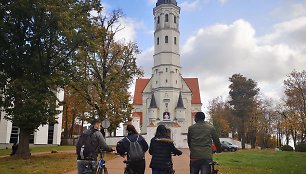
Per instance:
x=175, y=19
x=174, y=40
x=166, y=39
x=157, y=41
x=166, y=18
x=158, y=19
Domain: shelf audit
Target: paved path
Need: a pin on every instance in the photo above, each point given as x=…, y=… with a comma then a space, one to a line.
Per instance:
x=181, y=164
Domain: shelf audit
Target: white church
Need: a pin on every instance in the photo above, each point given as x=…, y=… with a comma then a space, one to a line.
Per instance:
x=167, y=97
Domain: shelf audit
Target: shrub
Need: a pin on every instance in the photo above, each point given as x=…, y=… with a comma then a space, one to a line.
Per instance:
x=300, y=147
x=286, y=148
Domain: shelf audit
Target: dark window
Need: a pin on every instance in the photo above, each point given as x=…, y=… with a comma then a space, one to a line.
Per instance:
x=166, y=39
x=156, y=82
x=166, y=81
x=175, y=40
x=166, y=69
x=158, y=19
x=175, y=19
x=166, y=18
x=158, y=41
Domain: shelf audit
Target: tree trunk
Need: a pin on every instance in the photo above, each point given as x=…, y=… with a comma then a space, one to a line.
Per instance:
x=66, y=124
x=242, y=133
x=23, y=150
x=82, y=125
x=72, y=122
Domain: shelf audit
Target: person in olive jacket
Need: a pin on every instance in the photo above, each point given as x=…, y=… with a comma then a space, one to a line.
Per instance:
x=161, y=149
x=199, y=137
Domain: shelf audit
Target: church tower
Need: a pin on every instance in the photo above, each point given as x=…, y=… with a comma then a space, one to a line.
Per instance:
x=166, y=98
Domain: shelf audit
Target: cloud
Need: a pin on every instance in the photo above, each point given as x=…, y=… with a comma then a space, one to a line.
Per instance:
x=290, y=11
x=190, y=5
x=217, y=52
x=127, y=29
x=223, y=1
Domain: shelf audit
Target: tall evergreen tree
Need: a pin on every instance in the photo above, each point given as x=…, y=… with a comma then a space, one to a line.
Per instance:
x=243, y=93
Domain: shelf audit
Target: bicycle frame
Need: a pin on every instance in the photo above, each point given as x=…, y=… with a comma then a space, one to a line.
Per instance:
x=101, y=168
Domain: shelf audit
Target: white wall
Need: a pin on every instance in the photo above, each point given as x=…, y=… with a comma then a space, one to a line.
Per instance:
x=41, y=135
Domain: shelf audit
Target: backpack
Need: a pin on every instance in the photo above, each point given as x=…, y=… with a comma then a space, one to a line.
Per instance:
x=135, y=151
x=86, y=146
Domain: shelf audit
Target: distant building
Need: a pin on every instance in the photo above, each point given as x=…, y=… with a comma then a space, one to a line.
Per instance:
x=166, y=98
x=47, y=134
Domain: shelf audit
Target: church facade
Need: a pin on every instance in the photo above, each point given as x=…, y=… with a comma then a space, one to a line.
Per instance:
x=167, y=97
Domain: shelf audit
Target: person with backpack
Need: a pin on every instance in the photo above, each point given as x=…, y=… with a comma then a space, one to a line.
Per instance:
x=135, y=146
x=89, y=144
x=161, y=149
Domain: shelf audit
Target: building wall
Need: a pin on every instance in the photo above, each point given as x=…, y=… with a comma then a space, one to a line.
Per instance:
x=41, y=135
x=5, y=129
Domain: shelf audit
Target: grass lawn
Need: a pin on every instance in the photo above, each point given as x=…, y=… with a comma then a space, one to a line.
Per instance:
x=44, y=163
x=34, y=149
x=261, y=161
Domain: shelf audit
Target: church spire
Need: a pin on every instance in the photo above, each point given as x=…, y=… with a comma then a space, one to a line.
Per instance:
x=153, y=102
x=180, y=103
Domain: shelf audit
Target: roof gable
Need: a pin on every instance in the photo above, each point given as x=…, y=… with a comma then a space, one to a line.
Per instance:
x=193, y=85
x=139, y=87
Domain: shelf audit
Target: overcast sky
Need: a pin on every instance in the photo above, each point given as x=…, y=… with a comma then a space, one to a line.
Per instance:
x=261, y=39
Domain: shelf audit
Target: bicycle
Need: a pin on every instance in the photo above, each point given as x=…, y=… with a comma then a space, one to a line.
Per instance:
x=127, y=169
x=212, y=167
x=100, y=167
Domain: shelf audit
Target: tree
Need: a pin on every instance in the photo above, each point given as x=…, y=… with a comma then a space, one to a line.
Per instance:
x=220, y=114
x=38, y=40
x=243, y=94
x=295, y=91
x=104, y=70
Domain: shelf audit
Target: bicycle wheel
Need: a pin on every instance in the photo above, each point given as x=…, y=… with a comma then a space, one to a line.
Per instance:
x=105, y=171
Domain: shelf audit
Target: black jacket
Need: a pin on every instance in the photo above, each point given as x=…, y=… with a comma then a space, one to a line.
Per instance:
x=161, y=150
x=123, y=145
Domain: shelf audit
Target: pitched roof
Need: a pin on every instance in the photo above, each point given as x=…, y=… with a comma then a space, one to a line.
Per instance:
x=159, y=2
x=180, y=103
x=193, y=85
x=153, y=102
x=139, y=87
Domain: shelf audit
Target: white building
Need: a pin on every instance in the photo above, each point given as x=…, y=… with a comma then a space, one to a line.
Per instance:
x=166, y=98
x=47, y=134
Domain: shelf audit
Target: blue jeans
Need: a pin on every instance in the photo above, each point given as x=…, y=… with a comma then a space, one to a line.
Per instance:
x=158, y=171
x=201, y=165
x=88, y=167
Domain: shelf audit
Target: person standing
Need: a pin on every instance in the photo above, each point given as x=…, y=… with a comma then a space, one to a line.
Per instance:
x=87, y=156
x=161, y=149
x=200, y=137
x=123, y=146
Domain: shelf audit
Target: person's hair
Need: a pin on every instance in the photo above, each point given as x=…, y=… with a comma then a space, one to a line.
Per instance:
x=161, y=131
x=199, y=117
x=95, y=121
x=131, y=129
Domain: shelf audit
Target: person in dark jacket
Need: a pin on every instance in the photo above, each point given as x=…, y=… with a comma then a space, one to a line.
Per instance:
x=161, y=149
x=199, y=137
x=123, y=147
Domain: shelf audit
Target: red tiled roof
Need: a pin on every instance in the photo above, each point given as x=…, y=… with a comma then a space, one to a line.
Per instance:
x=139, y=87
x=193, y=84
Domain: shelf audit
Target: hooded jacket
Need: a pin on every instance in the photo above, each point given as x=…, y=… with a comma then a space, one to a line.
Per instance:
x=161, y=150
